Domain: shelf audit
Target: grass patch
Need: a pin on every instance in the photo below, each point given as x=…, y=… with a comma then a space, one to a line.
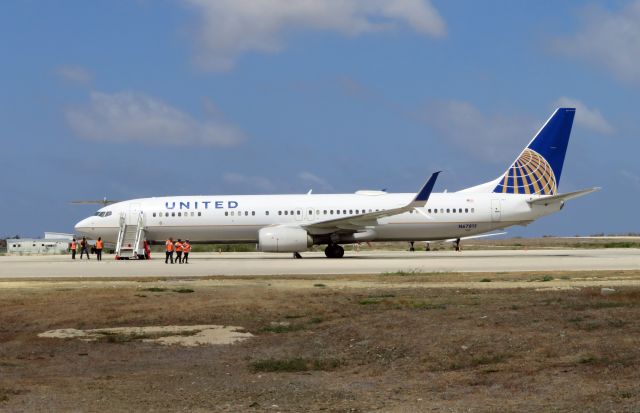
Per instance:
x=485, y=280
x=119, y=338
x=155, y=289
x=598, y=305
x=283, y=328
x=403, y=273
x=369, y=301
x=183, y=290
x=545, y=278
x=382, y=296
x=320, y=285
x=294, y=365
x=587, y=359
x=423, y=305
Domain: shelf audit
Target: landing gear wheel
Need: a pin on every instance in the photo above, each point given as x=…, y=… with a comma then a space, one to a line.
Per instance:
x=334, y=251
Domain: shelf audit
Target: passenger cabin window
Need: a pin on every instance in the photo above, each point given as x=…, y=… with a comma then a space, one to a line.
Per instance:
x=266, y=212
x=154, y=214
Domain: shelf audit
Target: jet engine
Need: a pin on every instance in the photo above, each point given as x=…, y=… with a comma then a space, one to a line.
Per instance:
x=283, y=239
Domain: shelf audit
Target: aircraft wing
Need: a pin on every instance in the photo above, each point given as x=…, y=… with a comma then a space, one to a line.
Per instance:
x=356, y=222
x=545, y=200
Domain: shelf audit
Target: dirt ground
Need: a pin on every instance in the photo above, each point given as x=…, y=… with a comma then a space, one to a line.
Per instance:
x=390, y=342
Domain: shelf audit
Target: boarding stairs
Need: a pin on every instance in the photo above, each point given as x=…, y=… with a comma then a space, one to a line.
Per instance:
x=130, y=244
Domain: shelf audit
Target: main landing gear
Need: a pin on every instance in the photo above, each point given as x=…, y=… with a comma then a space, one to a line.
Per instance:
x=297, y=255
x=334, y=251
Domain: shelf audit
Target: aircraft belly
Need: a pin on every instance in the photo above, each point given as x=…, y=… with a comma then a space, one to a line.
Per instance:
x=432, y=231
x=213, y=234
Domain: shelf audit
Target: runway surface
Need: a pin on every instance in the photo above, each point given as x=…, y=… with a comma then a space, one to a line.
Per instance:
x=246, y=264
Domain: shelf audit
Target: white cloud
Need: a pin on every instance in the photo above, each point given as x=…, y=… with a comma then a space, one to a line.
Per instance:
x=136, y=117
x=75, y=74
x=259, y=182
x=586, y=117
x=315, y=180
x=496, y=138
x=608, y=39
x=232, y=27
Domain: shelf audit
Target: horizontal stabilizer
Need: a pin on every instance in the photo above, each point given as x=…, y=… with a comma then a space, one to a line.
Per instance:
x=545, y=200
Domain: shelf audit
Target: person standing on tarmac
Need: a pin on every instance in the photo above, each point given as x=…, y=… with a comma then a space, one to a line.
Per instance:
x=99, y=246
x=179, y=251
x=169, y=247
x=74, y=245
x=186, y=247
x=84, y=248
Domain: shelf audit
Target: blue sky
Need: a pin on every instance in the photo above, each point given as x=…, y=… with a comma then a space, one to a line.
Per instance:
x=128, y=99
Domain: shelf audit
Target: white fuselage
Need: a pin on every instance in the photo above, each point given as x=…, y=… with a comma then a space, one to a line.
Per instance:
x=231, y=219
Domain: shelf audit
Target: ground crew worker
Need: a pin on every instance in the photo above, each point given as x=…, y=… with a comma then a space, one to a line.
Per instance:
x=179, y=251
x=147, y=250
x=74, y=245
x=169, y=247
x=99, y=246
x=186, y=247
x=84, y=248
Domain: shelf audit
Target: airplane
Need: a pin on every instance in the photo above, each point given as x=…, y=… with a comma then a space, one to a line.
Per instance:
x=526, y=191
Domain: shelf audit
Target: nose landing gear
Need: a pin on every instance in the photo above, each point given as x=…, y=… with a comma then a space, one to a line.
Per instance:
x=334, y=251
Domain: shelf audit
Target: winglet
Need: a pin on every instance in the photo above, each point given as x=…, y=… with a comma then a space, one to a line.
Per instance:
x=423, y=196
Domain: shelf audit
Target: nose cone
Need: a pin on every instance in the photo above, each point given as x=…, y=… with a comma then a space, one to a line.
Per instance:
x=82, y=227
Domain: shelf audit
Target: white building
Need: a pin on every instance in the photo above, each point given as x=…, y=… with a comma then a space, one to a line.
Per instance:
x=52, y=243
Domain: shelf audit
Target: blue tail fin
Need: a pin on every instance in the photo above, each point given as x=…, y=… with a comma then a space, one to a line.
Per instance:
x=538, y=168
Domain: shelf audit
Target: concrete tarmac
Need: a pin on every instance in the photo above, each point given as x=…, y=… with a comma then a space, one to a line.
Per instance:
x=376, y=262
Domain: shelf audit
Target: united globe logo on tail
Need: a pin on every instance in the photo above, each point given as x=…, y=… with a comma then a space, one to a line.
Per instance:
x=529, y=174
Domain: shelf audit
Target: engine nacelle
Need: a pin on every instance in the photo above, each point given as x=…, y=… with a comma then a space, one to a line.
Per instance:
x=284, y=239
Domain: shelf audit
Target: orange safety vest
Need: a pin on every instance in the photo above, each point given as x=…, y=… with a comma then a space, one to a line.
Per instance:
x=169, y=245
x=99, y=244
x=178, y=247
x=186, y=247
x=73, y=245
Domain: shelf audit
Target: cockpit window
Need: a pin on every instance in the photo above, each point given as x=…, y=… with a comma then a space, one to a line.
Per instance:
x=102, y=214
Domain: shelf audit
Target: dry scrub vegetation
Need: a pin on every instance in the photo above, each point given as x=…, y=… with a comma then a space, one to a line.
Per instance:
x=325, y=348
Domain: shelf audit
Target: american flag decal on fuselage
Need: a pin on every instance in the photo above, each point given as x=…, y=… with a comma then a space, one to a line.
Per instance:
x=529, y=174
